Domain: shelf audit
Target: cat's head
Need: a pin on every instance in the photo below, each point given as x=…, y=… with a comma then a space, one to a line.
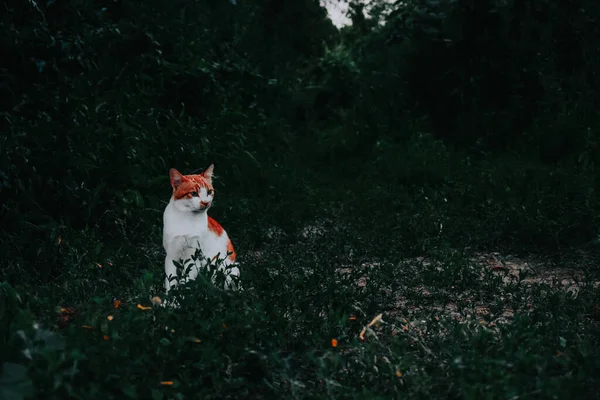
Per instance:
x=192, y=193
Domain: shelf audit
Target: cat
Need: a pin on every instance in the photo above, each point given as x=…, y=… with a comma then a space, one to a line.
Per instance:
x=187, y=228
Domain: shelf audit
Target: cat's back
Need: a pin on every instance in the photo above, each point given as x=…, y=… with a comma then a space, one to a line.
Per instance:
x=218, y=240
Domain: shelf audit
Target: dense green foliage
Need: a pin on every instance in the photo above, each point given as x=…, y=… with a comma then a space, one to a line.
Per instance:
x=426, y=128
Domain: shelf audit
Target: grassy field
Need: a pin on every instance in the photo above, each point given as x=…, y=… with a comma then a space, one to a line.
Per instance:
x=347, y=304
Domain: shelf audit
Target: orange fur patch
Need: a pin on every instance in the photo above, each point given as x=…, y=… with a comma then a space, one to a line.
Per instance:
x=214, y=227
x=231, y=251
x=189, y=184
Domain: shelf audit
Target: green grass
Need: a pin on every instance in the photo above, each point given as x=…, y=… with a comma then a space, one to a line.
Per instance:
x=303, y=292
x=274, y=338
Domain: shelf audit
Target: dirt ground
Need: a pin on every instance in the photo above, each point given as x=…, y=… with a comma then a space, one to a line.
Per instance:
x=532, y=271
x=567, y=276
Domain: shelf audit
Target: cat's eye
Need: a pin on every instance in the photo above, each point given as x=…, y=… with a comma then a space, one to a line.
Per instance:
x=210, y=192
x=194, y=194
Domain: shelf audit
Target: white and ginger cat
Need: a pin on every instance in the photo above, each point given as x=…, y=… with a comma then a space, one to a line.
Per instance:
x=188, y=228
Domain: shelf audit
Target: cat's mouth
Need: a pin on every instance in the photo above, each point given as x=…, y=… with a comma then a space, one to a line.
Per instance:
x=199, y=210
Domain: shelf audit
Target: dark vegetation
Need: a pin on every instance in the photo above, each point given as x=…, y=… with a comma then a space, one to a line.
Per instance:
x=427, y=128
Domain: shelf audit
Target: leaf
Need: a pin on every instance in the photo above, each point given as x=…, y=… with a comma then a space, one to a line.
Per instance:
x=51, y=340
x=563, y=342
x=130, y=391
x=156, y=394
x=14, y=382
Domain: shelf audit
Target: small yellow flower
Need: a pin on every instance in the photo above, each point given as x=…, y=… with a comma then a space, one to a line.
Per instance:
x=117, y=303
x=334, y=342
x=99, y=265
x=399, y=374
x=141, y=307
x=110, y=318
x=352, y=318
x=166, y=383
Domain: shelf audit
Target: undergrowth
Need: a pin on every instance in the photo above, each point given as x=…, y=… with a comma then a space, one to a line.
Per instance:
x=314, y=320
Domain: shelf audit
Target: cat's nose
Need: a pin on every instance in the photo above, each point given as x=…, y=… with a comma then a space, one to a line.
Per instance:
x=203, y=204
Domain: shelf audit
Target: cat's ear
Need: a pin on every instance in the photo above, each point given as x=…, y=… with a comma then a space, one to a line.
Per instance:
x=176, y=178
x=208, y=173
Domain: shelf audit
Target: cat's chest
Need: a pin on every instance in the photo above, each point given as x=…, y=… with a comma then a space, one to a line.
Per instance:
x=183, y=224
x=185, y=227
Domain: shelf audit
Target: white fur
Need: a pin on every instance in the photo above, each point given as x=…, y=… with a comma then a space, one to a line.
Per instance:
x=185, y=230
